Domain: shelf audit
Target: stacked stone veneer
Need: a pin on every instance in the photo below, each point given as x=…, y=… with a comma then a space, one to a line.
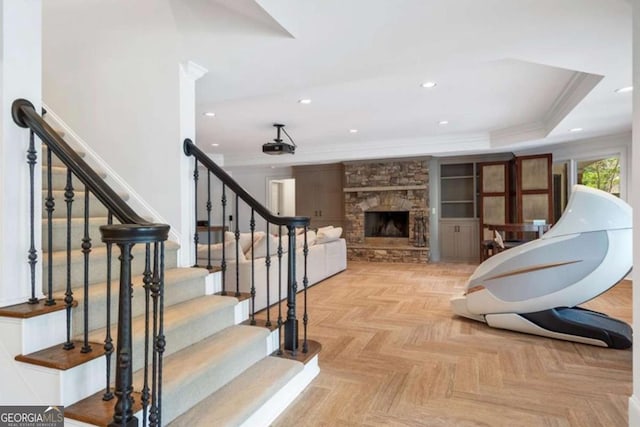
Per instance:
x=386, y=185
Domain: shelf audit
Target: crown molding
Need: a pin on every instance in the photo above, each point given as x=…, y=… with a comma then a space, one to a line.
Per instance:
x=513, y=134
x=578, y=87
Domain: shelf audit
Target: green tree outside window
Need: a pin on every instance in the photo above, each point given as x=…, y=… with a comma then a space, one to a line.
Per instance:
x=603, y=174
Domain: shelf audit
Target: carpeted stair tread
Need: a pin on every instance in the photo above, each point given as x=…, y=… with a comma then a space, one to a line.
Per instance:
x=181, y=284
x=194, y=373
x=185, y=324
x=59, y=178
x=96, y=208
x=98, y=264
x=234, y=403
x=55, y=161
x=59, y=232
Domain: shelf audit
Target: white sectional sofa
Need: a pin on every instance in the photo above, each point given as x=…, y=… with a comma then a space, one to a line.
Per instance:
x=327, y=256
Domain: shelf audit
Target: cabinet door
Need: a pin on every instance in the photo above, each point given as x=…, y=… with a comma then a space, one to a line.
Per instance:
x=459, y=240
x=467, y=241
x=534, y=190
x=448, y=243
x=319, y=193
x=494, y=195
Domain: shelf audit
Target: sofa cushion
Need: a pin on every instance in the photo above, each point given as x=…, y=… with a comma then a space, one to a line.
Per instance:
x=216, y=251
x=259, y=249
x=245, y=239
x=326, y=234
x=311, y=239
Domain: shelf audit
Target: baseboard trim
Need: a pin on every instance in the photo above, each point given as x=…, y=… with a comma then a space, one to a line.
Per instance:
x=634, y=411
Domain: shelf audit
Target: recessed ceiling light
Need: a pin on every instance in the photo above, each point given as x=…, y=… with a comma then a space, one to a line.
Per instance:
x=353, y=130
x=624, y=89
x=304, y=101
x=575, y=130
x=429, y=85
x=443, y=122
x=209, y=114
x=215, y=145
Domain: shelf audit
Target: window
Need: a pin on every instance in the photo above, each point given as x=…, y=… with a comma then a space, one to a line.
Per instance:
x=603, y=174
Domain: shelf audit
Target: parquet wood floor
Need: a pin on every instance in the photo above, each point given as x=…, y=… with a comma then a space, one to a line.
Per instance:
x=394, y=355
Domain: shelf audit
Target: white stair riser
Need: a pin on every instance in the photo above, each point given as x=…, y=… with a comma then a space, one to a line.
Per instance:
x=24, y=336
x=69, y=386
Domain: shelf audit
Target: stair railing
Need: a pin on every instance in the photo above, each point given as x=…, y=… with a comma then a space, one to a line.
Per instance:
x=242, y=280
x=130, y=230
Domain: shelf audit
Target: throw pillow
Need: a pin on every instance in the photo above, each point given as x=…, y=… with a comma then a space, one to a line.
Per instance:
x=328, y=234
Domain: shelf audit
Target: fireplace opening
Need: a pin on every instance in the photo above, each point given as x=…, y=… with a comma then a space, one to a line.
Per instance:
x=386, y=224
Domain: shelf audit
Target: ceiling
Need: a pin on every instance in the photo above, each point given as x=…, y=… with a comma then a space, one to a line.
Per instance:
x=510, y=74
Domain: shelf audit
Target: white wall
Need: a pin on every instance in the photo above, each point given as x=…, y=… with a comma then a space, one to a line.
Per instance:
x=110, y=71
x=20, y=76
x=255, y=181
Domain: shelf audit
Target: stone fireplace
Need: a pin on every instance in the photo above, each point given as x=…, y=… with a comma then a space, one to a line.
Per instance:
x=386, y=203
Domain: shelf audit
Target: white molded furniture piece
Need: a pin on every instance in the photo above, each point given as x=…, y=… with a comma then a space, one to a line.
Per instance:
x=536, y=287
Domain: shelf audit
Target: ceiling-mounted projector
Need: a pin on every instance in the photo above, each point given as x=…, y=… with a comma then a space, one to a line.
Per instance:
x=278, y=146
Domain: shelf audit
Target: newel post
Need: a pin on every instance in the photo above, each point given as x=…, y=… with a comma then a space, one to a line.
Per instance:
x=125, y=236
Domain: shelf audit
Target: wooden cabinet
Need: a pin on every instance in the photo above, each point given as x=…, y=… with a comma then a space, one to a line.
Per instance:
x=535, y=188
x=319, y=194
x=458, y=212
x=494, y=195
x=459, y=239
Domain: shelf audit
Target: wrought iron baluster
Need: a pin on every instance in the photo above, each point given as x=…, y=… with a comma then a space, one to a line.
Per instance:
x=209, y=266
x=68, y=296
x=108, y=341
x=291, y=324
x=146, y=280
x=252, y=227
x=223, y=263
x=160, y=340
x=50, y=206
x=32, y=157
x=155, y=292
x=237, y=235
x=305, y=283
x=86, y=250
x=267, y=262
x=195, y=199
x=280, y=340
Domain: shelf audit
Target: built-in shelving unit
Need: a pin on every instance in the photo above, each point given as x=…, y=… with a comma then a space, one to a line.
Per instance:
x=458, y=211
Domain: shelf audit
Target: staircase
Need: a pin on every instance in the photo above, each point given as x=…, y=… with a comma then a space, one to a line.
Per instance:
x=216, y=368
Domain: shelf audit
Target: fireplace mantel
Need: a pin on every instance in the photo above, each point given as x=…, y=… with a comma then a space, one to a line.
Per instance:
x=385, y=188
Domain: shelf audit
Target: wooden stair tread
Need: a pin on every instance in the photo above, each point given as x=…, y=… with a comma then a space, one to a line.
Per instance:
x=94, y=410
x=26, y=310
x=57, y=357
x=231, y=293
x=314, y=349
